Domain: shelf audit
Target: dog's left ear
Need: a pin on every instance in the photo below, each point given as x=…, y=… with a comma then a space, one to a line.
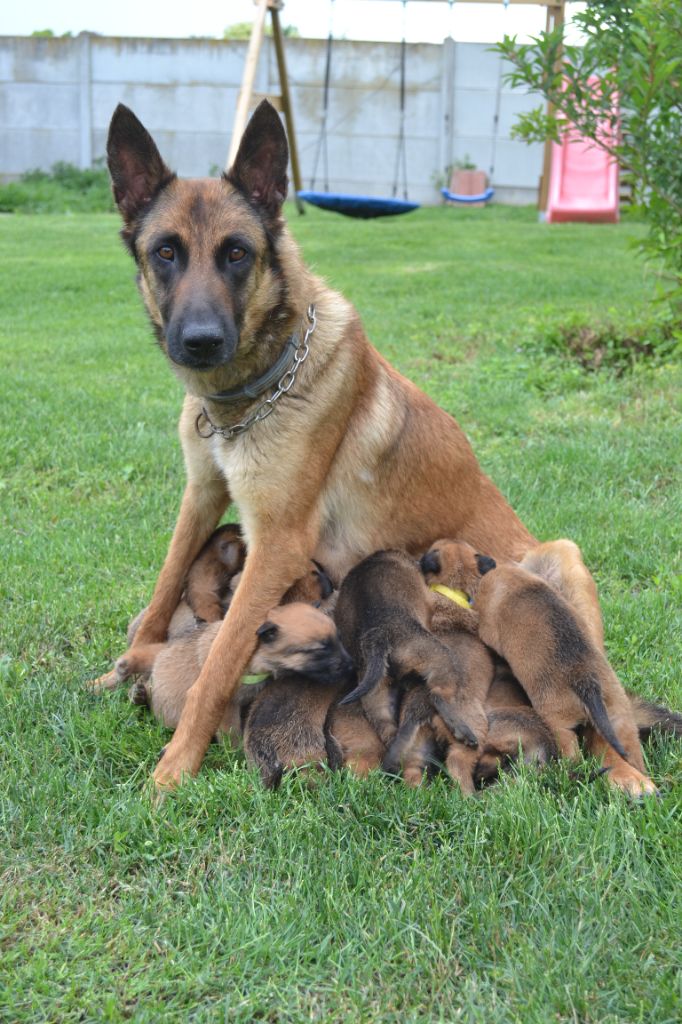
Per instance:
x=135, y=164
x=260, y=167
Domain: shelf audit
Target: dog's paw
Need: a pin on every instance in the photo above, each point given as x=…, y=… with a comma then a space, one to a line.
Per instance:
x=631, y=781
x=173, y=769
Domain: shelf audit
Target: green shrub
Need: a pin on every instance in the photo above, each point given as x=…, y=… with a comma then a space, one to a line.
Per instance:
x=64, y=189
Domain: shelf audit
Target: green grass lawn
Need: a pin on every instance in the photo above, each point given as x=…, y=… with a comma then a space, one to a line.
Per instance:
x=549, y=899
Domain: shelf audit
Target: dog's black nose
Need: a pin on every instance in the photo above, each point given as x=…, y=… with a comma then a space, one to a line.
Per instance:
x=485, y=564
x=201, y=339
x=430, y=562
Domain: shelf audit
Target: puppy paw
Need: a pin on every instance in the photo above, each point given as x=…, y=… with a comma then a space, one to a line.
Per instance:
x=109, y=681
x=631, y=781
x=137, y=694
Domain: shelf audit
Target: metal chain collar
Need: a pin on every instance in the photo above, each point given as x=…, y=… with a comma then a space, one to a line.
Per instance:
x=206, y=428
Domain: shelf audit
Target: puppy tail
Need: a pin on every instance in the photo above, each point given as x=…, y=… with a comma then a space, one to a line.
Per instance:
x=588, y=690
x=374, y=673
x=650, y=717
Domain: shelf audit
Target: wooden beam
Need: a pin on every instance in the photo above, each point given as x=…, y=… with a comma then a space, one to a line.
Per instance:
x=246, y=92
x=286, y=106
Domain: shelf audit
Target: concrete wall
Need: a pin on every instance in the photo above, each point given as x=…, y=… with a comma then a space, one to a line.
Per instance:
x=57, y=95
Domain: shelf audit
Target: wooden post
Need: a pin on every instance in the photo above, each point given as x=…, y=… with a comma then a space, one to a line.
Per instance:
x=286, y=104
x=247, y=95
x=246, y=91
x=555, y=17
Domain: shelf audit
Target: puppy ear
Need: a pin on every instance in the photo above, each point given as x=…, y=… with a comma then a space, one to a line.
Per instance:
x=485, y=564
x=135, y=164
x=260, y=168
x=267, y=632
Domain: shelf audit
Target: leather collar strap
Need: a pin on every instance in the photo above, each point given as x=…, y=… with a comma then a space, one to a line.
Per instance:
x=256, y=387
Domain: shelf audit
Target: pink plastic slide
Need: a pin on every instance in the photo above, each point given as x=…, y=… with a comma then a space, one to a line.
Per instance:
x=583, y=182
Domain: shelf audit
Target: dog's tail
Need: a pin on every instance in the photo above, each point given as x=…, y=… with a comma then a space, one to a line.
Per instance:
x=588, y=689
x=652, y=717
x=375, y=671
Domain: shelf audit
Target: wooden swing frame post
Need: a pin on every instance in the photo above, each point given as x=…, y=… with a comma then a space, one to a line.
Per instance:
x=247, y=96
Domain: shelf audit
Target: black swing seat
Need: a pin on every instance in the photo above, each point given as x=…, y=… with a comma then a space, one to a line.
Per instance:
x=363, y=207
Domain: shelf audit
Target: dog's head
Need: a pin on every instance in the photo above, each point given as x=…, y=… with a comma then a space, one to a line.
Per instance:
x=206, y=248
x=299, y=638
x=455, y=564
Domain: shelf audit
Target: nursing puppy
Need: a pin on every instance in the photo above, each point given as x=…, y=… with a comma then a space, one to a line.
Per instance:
x=455, y=624
x=528, y=622
x=383, y=613
x=296, y=638
x=208, y=589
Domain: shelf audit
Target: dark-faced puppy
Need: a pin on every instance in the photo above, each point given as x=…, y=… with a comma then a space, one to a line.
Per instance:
x=383, y=614
x=567, y=678
x=295, y=638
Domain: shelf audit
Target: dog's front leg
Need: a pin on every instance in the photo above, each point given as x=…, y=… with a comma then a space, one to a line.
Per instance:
x=202, y=506
x=276, y=559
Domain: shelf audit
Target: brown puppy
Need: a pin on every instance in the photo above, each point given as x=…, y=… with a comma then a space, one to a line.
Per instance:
x=295, y=639
x=353, y=457
x=528, y=622
x=208, y=586
x=455, y=623
x=383, y=613
x=296, y=721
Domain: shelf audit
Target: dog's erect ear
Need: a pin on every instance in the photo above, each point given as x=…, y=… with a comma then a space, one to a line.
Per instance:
x=260, y=167
x=135, y=164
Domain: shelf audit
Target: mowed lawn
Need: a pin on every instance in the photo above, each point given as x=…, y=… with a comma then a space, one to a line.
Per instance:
x=547, y=899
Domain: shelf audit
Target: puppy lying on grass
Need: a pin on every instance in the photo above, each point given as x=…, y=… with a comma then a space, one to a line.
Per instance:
x=383, y=612
x=551, y=651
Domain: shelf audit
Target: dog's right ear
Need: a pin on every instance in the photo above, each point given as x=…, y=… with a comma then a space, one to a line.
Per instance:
x=259, y=170
x=135, y=164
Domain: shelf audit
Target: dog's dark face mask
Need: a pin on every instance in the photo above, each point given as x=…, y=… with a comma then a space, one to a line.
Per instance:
x=206, y=248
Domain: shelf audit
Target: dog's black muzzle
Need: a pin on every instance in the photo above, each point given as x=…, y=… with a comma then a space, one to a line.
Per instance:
x=330, y=665
x=202, y=342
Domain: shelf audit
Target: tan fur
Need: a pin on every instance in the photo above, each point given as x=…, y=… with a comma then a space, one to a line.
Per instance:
x=301, y=633
x=551, y=652
x=383, y=613
x=366, y=461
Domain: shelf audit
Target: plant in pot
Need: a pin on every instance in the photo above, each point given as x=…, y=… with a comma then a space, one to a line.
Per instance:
x=468, y=180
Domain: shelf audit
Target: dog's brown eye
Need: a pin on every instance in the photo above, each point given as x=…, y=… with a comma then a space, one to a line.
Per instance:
x=166, y=252
x=236, y=254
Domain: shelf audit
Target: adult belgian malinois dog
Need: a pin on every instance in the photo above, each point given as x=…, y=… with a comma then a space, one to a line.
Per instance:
x=290, y=413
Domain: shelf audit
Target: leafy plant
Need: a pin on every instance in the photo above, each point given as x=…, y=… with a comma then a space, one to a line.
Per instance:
x=64, y=189
x=623, y=89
